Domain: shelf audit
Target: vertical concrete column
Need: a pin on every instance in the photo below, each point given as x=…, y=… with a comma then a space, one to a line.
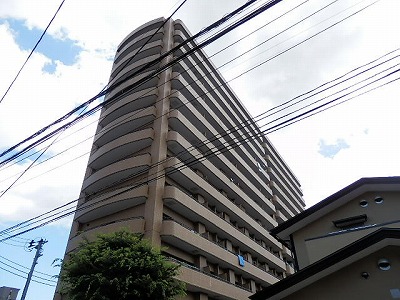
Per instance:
x=154, y=204
x=248, y=257
x=252, y=285
x=201, y=262
x=231, y=276
x=229, y=245
x=200, y=228
x=201, y=296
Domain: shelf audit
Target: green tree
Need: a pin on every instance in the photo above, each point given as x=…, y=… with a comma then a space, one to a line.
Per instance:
x=119, y=266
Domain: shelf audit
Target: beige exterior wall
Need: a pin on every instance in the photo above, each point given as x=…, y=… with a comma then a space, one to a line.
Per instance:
x=347, y=283
x=321, y=237
x=150, y=170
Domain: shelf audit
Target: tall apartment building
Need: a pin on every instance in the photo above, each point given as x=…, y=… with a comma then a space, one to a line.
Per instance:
x=179, y=160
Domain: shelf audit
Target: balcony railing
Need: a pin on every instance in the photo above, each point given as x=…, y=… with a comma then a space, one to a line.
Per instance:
x=216, y=242
x=185, y=264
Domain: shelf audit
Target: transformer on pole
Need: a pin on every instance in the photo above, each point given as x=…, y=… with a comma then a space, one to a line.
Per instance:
x=38, y=254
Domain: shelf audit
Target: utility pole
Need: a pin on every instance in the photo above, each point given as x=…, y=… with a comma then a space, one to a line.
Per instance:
x=38, y=248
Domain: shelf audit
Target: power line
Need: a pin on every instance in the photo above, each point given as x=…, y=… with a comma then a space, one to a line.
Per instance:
x=329, y=4
x=347, y=73
x=152, y=74
x=307, y=39
x=34, y=280
x=196, y=160
x=164, y=83
x=262, y=26
x=14, y=268
x=286, y=29
x=44, y=150
x=13, y=262
x=109, y=89
x=336, y=104
x=138, y=83
x=33, y=50
x=292, y=26
x=10, y=244
x=31, y=164
x=303, y=99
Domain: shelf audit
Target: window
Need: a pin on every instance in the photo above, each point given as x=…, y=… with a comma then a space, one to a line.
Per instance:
x=350, y=222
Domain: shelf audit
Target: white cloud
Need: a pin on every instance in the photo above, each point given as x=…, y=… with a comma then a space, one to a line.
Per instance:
x=36, y=99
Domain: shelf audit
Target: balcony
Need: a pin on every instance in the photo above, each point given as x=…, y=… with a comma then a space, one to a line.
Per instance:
x=125, y=124
x=280, y=217
x=120, y=148
x=116, y=173
x=190, y=241
x=285, y=187
x=216, y=287
x=282, y=208
x=218, y=117
x=205, y=120
x=140, y=34
x=129, y=103
x=231, y=179
x=126, y=58
x=222, y=99
x=284, y=198
x=137, y=83
x=137, y=67
x=280, y=168
x=195, y=183
x=185, y=205
x=110, y=203
x=135, y=225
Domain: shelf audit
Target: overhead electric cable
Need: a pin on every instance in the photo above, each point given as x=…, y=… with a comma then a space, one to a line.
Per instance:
x=142, y=80
x=54, y=168
x=4, y=167
x=315, y=111
x=5, y=231
x=13, y=262
x=257, y=12
x=332, y=25
x=11, y=272
x=44, y=150
x=305, y=40
x=30, y=165
x=274, y=128
x=127, y=63
x=11, y=244
x=277, y=34
x=109, y=89
x=329, y=107
x=213, y=152
x=14, y=268
x=265, y=112
x=33, y=50
x=277, y=54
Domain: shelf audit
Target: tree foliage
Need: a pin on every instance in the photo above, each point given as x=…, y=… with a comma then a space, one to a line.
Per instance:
x=119, y=266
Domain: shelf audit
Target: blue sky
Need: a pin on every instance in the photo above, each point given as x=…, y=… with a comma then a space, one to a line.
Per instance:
x=330, y=150
x=326, y=152
x=15, y=250
x=56, y=49
x=14, y=256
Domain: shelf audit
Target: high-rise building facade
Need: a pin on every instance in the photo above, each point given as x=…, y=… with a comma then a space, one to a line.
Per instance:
x=178, y=159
